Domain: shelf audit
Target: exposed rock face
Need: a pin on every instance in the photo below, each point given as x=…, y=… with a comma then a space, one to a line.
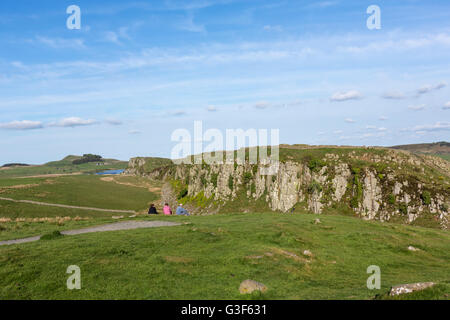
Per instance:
x=372, y=197
x=408, y=288
x=334, y=183
x=134, y=165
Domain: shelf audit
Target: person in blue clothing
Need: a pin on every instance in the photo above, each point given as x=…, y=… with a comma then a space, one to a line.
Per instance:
x=181, y=211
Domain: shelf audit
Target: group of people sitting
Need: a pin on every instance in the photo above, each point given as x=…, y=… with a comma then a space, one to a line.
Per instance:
x=168, y=211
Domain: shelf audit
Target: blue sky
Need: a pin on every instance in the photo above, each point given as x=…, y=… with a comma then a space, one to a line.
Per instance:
x=138, y=70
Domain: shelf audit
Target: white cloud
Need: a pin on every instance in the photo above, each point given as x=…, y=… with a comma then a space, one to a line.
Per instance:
x=348, y=95
x=383, y=118
x=262, y=105
x=189, y=25
x=273, y=28
x=416, y=107
x=349, y=120
x=429, y=88
x=323, y=4
x=370, y=127
x=178, y=113
x=134, y=132
x=114, y=122
x=211, y=108
x=338, y=131
x=115, y=37
x=58, y=43
x=73, y=122
x=446, y=106
x=22, y=125
x=111, y=36
x=395, y=95
x=438, y=126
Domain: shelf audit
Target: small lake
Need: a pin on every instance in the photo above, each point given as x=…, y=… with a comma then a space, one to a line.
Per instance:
x=111, y=172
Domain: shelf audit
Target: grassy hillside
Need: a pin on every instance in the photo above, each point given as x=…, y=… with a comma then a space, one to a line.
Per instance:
x=63, y=166
x=209, y=257
x=80, y=190
x=440, y=149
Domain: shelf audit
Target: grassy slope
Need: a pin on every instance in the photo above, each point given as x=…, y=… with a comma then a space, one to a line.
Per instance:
x=208, y=259
x=64, y=166
x=79, y=190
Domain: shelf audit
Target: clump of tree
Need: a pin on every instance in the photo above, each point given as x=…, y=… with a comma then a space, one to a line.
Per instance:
x=88, y=158
x=15, y=165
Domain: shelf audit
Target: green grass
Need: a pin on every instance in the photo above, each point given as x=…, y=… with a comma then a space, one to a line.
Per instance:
x=23, y=229
x=64, y=166
x=80, y=190
x=211, y=256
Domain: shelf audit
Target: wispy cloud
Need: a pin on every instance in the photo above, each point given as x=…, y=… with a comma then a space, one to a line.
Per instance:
x=22, y=125
x=276, y=28
x=438, y=126
x=211, y=108
x=429, y=88
x=114, y=122
x=446, y=106
x=349, y=120
x=394, y=95
x=416, y=107
x=348, y=95
x=60, y=43
x=189, y=25
x=72, y=122
x=262, y=105
x=116, y=36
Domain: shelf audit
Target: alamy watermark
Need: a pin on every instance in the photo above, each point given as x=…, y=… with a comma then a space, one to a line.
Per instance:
x=74, y=281
x=74, y=20
x=235, y=144
x=374, y=21
x=374, y=281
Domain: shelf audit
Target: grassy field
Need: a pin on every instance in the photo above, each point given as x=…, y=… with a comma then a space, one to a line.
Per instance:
x=78, y=190
x=209, y=257
x=18, y=220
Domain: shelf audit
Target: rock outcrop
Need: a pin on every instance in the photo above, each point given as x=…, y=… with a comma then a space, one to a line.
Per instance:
x=372, y=183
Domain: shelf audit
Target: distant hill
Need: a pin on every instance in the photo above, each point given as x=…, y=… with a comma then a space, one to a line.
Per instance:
x=441, y=149
x=64, y=166
x=8, y=165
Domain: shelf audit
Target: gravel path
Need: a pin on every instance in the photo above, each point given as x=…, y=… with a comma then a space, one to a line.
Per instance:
x=66, y=206
x=125, y=225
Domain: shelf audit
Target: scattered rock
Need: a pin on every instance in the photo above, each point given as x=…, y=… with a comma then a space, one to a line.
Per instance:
x=117, y=217
x=248, y=286
x=269, y=254
x=255, y=257
x=408, y=288
x=133, y=216
x=411, y=248
x=317, y=221
x=307, y=253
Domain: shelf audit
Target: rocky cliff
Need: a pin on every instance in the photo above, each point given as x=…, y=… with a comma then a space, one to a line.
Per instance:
x=372, y=183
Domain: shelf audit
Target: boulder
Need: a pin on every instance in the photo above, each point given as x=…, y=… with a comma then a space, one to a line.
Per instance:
x=248, y=286
x=408, y=288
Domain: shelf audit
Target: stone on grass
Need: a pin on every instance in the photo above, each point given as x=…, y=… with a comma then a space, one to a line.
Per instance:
x=317, y=221
x=307, y=253
x=411, y=248
x=248, y=286
x=408, y=288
